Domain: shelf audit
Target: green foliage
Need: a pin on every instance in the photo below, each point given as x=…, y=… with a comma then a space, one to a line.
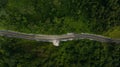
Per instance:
x=114, y=32
x=59, y=17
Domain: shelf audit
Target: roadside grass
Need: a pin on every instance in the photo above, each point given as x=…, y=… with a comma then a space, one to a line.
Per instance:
x=114, y=32
x=1, y=26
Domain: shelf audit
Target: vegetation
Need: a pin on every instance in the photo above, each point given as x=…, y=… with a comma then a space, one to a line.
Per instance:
x=60, y=17
x=114, y=32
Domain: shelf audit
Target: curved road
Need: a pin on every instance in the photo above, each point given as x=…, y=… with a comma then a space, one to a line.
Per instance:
x=55, y=39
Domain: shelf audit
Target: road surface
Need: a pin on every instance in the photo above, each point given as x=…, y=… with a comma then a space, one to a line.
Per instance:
x=55, y=39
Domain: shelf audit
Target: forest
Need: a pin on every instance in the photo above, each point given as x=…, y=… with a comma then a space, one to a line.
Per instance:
x=60, y=17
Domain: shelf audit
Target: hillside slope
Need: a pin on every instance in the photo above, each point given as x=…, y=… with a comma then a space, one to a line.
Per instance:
x=60, y=17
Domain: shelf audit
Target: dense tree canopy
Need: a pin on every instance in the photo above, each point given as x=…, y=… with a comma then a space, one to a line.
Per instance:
x=60, y=17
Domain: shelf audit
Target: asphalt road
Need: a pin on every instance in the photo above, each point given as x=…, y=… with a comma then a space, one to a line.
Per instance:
x=55, y=39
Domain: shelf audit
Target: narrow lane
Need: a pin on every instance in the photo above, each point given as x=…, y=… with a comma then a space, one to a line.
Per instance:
x=55, y=39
